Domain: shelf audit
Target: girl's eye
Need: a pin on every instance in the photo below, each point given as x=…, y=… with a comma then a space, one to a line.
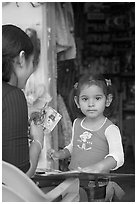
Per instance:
x=84, y=99
x=98, y=98
x=34, y=63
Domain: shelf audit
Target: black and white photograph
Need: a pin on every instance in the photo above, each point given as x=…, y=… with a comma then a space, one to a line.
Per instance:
x=68, y=101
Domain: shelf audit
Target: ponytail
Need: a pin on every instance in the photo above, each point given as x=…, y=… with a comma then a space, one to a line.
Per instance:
x=75, y=111
x=109, y=111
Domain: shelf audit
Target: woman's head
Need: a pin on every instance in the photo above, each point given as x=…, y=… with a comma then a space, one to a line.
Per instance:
x=17, y=55
x=96, y=93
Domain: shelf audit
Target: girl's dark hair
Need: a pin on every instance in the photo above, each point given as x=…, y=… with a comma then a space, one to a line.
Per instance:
x=14, y=40
x=90, y=79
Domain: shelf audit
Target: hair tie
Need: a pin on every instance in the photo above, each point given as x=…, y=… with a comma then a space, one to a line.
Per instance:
x=76, y=85
x=108, y=82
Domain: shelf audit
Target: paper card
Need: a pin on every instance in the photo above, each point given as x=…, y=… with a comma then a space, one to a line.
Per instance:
x=47, y=117
x=52, y=117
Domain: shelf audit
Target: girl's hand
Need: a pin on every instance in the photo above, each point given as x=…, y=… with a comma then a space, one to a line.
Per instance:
x=52, y=154
x=103, y=166
x=91, y=169
x=36, y=132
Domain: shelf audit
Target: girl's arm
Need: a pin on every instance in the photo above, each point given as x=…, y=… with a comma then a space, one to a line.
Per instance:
x=61, y=154
x=115, y=145
x=115, y=158
x=70, y=146
x=66, y=152
x=103, y=166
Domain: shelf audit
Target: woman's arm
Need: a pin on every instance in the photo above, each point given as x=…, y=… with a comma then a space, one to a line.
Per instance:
x=35, y=147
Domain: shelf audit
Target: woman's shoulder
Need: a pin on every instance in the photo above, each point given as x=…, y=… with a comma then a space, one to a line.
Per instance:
x=10, y=90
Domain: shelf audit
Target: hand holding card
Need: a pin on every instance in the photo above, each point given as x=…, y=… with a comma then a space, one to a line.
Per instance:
x=47, y=117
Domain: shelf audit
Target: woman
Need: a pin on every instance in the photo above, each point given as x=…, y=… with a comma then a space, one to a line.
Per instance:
x=17, y=66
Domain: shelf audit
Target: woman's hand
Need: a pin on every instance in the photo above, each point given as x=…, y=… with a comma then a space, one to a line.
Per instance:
x=36, y=132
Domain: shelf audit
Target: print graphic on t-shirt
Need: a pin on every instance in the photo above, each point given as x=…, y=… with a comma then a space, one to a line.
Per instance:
x=85, y=141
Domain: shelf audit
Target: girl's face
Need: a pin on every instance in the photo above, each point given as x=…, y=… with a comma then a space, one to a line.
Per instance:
x=25, y=72
x=92, y=101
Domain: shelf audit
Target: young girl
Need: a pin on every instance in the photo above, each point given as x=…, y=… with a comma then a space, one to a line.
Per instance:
x=96, y=145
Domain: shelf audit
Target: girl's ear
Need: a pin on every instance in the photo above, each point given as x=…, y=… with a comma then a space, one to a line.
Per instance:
x=76, y=101
x=109, y=100
x=22, y=58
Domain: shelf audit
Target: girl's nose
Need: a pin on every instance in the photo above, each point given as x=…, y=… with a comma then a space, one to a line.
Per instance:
x=91, y=102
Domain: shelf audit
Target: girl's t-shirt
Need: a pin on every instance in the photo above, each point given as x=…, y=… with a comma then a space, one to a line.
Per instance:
x=90, y=147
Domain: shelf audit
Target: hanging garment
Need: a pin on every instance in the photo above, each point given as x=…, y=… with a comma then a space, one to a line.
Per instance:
x=65, y=42
x=61, y=31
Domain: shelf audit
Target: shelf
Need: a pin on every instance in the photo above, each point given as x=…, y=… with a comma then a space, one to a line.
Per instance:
x=129, y=109
x=96, y=16
x=111, y=75
x=127, y=74
x=122, y=39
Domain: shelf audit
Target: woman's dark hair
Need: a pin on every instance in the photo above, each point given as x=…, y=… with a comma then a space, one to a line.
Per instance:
x=90, y=79
x=14, y=40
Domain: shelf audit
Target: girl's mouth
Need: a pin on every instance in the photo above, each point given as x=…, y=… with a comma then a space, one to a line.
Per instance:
x=91, y=111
